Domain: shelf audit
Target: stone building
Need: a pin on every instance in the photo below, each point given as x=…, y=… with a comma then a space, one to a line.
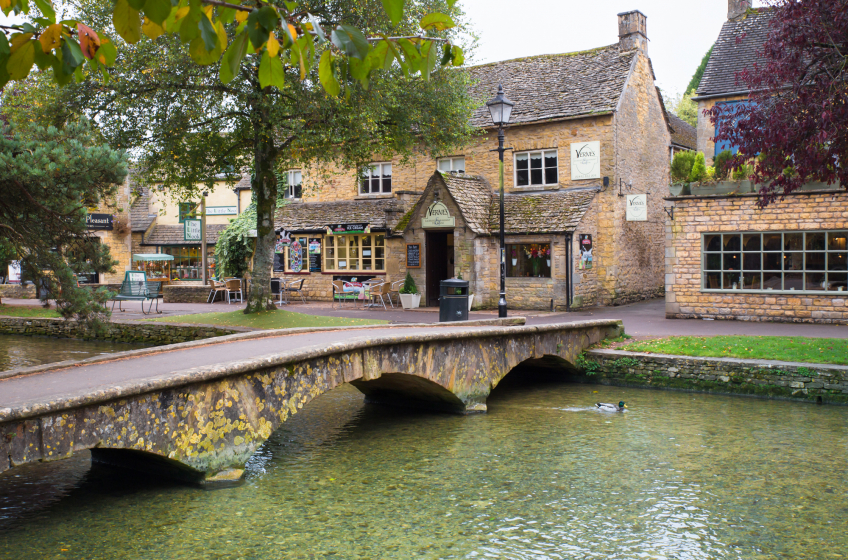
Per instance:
x=589, y=135
x=728, y=259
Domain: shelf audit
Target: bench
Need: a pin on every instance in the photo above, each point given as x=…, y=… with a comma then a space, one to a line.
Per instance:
x=139, y=290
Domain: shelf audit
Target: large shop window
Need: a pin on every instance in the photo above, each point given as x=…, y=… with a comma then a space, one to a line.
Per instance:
x=376, y=179
x=355, y=252
x=810, y=261
x=528, y=260
x=186, y=263
x=536, y=168
x=295, y=184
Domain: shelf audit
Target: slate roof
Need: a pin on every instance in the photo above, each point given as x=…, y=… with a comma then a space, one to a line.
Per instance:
x=554, y=86
x=728, y=57
x=314, y=216
x=473, y=195
x=140, y=215
x=173, y=235
x=541, y=213
x=682, y=133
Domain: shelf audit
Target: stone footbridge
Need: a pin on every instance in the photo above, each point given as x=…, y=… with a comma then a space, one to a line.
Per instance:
x=199, y=410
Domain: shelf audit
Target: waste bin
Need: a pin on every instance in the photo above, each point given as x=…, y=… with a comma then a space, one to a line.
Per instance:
x=453, y=300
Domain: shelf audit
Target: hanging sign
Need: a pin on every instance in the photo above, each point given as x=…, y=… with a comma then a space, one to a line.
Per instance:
x=586, y=161
x=637, y=208
x=438, y=215
x=344, y=229
x=191, y=230
x=98, y=221
x=585, y=251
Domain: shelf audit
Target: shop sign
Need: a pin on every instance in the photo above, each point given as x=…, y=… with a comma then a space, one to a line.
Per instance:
x=221, y=210
x=637, y=208
x=314, y=250
x=98, y=221
x=413, y=255
x=438, y=215
x=585, y=251
x=191, y=231
x=14, y=272
x=345, y=229
x=585, y=161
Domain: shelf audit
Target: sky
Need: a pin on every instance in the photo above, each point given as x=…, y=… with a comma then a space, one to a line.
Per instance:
x=680, y=32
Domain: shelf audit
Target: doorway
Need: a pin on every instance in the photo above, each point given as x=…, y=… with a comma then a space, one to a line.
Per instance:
x=439, y=263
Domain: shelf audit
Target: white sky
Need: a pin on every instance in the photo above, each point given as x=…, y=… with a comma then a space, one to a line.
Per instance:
x=679, y=31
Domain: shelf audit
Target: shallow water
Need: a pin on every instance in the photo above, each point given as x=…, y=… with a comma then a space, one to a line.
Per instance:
x=18, y=351
x=541, y=476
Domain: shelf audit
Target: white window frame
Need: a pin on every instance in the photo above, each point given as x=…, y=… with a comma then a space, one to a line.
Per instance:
x=290, y=192
x=354, y=253
x=529, y=154
x=370, y=169
x=452, y=164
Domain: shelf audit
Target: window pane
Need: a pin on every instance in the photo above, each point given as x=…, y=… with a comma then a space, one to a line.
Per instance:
x=815, y=281
x=793, y=261
x=773, y=261
x=772, y=242
x=732, y=242
x=836, y=240
x=713, y=281
x=751, y=281
x=837, y=282
x=751, y=242
x=732, y=261
x=444, y=165
x=550, y=175
x=814, y=261
x=712, y=243
x=380, y=240
x=732, y=280
x=793, y=241
x=365, y=187
x=375, y=184
x=387, y=177
x=521, y=161
x=459, y=165
x=714, y=262
x=793, y=281
x=772, y=281
x=751, y=261
x=815, y=241
x=535, y=176
x=528, y=260
x=536, y=161
x=522, y=174
x=837, y=261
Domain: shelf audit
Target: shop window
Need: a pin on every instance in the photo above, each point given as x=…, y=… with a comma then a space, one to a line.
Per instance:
x=376, y=179
x=528, y=260
x=188, y=211
x=295, y=184
x=355, y=253
x=536, y=168
x=807, y=261
x=186, y=264
x=452, y=165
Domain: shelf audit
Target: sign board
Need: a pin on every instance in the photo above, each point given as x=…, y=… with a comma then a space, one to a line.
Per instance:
x=222, y=210
x=637, y=208
x=14, y=272
x=135, y=276
x=191, y=231
x=438, y=215
x=585, y=240
x=344, y=229
x=585, y=161
x=295, y=256
x=98, y=221
x=314, y=251
x=413, y=255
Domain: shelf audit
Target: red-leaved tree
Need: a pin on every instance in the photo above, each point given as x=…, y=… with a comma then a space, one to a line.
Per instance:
x=797, y=122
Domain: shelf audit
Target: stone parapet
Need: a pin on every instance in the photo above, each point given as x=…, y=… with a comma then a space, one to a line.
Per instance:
x=18, y=291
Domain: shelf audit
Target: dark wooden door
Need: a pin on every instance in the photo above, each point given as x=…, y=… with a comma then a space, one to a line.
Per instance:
x=437, y=264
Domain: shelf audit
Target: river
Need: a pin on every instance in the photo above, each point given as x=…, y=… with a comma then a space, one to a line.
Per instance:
x=18, y=351
x=541, y=476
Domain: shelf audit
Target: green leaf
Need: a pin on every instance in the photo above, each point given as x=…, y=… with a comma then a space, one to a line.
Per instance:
x=256, y=30
x=437, y=21
x=394, y=9
x=127, y=22
x=446, y=55
x=268, y=18
x=157, y=10
x=326, y=75
x=136, y=4
x=21, y=60
x=232, y=58
x=188, y=25
x=291, y=6
x=42, y=59
x=271, y=72
x=396, y=55
x=451, y=3
x=203, y=56
x=380, y=56
x=59, y=75
x=316, y=26
x=71, y=53
x=109, y=52
x=226, y=15
x=46, y=8
x=359, y=70
x=429, y=57
x=458, y=56
x=207, y=33
x=410, y=55
x=4, y=44
x=351, y=41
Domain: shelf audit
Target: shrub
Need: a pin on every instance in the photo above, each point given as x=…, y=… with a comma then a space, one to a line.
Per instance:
x=720, y=164
x=681, y=166
x=742, y=172
x=409, y=286
x=699, y=169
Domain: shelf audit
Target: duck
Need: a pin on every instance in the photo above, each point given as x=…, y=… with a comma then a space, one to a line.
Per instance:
x=607, y=407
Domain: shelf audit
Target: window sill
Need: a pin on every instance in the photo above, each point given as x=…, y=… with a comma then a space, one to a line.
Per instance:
x=373, y=196
x=829, y=293
x=355, y=272
x=555, y=187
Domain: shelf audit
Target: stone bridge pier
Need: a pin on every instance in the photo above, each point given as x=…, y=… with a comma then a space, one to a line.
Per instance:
x=204, y=424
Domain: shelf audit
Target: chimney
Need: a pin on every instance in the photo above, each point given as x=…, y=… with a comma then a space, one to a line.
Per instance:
x=736, y=8
x=633, y=31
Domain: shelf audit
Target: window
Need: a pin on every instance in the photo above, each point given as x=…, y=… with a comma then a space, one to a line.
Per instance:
x=355, y=252
x=811, y=261
x=452, y=165
x=186, y=263
x=376, y=179
x=295, y=184
x=731, y=106
x=536, y=168
x=528, y=260
x=188, y=211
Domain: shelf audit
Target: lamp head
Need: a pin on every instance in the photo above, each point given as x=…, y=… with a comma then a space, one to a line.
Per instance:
x=500, y=107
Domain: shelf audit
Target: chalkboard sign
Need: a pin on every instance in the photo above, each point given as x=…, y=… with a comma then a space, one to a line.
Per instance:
x=279, y=262
x=413, y=255
x=314, y=250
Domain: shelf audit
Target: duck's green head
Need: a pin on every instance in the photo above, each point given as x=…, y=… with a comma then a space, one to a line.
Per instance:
x=621, y=404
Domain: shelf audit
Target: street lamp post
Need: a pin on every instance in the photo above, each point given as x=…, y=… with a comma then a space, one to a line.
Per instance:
x=501, y=108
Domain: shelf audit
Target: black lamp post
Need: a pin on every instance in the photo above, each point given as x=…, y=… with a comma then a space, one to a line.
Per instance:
x=501, y=108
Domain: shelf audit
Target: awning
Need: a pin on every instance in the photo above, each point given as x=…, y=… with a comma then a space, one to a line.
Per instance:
x=152, y=257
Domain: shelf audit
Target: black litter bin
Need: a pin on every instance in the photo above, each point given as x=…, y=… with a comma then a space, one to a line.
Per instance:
x=453, y=300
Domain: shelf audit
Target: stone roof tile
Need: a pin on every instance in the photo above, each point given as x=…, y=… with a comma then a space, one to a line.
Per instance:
x=682, y=133
x=541, y=213
x=174, y=234
x=473, y=195
x=314, y=216
x=140, y=215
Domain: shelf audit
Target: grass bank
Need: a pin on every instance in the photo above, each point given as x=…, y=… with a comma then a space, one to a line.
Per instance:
x=279, y=319
x=782, y=348
x=27, y=311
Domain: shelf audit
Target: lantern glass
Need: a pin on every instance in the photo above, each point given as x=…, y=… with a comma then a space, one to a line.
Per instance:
x=500, y=108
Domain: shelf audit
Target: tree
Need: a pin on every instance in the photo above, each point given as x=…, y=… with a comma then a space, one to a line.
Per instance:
x=695, y=82
x=796, y=122
x=46, y=180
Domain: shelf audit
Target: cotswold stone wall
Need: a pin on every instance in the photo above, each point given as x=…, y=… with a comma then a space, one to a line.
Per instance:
x=18, y=291
x=719, y=375
x=151, y=333
x=685, y=298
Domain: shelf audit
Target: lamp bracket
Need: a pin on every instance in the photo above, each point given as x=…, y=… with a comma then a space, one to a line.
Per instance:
x=670, y=214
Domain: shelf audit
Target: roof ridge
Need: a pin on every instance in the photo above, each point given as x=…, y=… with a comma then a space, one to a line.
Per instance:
x=548, y=55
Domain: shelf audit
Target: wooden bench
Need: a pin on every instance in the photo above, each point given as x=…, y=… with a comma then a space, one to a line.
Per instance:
x=138, y=290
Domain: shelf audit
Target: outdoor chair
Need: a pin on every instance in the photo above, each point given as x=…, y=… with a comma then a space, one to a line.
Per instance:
x=339, y=293
x=215, y=289
x=380, y=291
x=154, y=292
x=234, y=287
x=277, y=288
x=395, y=289
x=296, y=287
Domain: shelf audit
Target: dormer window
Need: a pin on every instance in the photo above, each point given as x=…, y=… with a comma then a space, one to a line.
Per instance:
x=376, y=179
x=452, y=165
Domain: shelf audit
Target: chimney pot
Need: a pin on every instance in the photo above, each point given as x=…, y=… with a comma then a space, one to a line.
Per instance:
x=736, y=8
x=633, y=31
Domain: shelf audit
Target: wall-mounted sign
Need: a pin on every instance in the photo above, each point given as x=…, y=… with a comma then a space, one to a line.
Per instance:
x=586, y=161
x=413, y=255
x=437, y=215
x=344, y=229
x=585, y=241
x=295, y=256
x=98, y=221
x=221, y=210
x=191, y=231
x=637, y=208
x=314, y=254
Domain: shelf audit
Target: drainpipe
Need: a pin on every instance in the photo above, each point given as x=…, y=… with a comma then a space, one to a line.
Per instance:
x=568, y=239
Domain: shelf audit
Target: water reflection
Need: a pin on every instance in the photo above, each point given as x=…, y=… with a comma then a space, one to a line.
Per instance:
x=542, y=475
x=24, y=351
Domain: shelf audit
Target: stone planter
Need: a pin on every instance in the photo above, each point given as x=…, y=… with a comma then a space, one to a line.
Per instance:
x=410, y=301
x=681, y=189
x=723, y=187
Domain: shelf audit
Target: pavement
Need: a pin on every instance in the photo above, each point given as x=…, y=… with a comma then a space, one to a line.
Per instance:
x=644, y=319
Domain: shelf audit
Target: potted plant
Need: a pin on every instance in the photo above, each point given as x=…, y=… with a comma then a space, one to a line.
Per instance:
x=410, y=298
x=514, y=256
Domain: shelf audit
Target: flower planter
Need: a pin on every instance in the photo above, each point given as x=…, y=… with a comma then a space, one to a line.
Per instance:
x=410, y=301
x=514, y=262
x=681, y=189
